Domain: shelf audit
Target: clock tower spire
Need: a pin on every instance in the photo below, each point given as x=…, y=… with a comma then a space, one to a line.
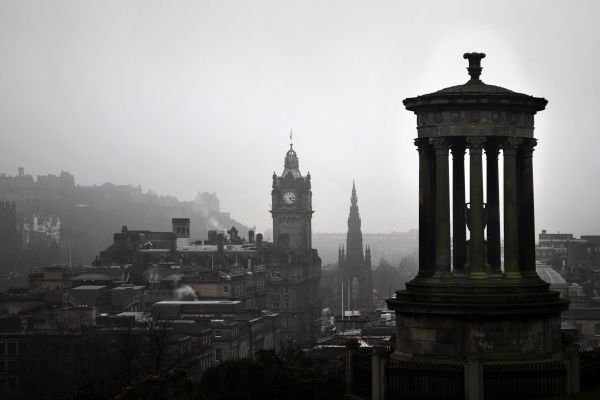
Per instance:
x=292, y=205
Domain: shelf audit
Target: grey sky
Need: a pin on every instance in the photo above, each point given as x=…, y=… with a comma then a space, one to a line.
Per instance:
x=181, y=96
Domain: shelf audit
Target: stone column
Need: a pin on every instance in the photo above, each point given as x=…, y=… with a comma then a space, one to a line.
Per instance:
x=511, y=225
x=473, y=378
x=476, y=217
x=426, y=208
x=351, y=346
x=459, y=234
x=526, y=209
x=379, y=360
x=493, y=208
x=442, y=208
x=571, y=361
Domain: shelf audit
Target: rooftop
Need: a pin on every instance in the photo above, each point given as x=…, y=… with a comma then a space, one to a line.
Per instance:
x=199, y=302
x=91, y=277
x=89, y=287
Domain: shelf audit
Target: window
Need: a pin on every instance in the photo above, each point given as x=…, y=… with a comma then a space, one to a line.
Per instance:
x=218, y=356
x=12, y=348
x=218, y=333
x=285, y=305
x=597, y=329
x=2, y=348
x=275, y=305
x=226, y=288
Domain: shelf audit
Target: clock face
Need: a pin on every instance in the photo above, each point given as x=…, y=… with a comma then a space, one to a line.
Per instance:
x=289, y=198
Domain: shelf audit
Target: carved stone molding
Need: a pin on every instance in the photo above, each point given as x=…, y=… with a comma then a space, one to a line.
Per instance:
x=511, y=145
x=440, y=145
x=475, y=144
x=527, y=147
x=492, y=148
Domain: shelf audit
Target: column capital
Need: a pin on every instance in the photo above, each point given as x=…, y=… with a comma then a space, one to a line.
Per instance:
x=475, y=144
x=458, y=149
x=510, y=145
x=527, y=147
x=440, y=145
x=422, y=144
x=492, y=148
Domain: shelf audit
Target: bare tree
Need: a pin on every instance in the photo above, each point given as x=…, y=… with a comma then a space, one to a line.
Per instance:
x=158, y=335
x=128, y=348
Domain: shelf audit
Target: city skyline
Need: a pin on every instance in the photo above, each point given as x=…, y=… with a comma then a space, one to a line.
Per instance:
x=211, y=90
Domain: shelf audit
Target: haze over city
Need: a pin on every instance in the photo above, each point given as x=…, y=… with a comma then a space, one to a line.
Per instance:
x=184, y=96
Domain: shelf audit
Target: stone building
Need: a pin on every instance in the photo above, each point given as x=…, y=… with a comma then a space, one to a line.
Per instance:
x=293, y=267
x=471, y=328
x=282, y=277
x=354, y=266
x=236, y=333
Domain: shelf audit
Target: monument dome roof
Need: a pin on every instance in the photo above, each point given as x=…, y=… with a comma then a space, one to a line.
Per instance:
x=474, y=91
x=549, y=275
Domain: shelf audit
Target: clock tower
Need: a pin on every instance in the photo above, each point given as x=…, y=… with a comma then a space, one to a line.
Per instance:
x=292, y=206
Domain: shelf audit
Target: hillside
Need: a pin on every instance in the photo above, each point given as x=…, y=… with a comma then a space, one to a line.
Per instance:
x=89, y=215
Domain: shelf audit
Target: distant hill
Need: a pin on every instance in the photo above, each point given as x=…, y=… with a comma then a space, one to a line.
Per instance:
x=90, y=215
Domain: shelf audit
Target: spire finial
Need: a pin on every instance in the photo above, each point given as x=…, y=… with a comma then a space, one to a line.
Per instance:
x=353, y=199
x=291, y=141
x=474, y=65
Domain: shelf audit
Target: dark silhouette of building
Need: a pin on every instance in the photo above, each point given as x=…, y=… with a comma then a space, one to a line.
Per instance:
x=472, y=329
x=354, y=266
x=9, y=237
x=293, y=266
x=390, y=246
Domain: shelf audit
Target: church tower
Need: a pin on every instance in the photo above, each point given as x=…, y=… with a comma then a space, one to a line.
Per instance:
x=293, y=267
x=292, y=206
x=355, y=265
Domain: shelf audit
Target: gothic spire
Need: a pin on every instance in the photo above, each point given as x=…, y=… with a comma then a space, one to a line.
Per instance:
x=354, y=245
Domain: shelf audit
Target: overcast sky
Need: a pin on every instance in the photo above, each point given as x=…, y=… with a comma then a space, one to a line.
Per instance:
x=181, y=96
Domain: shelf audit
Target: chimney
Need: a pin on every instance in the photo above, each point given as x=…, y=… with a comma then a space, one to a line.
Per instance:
x=21, y=171
x=220, y=244
x=212, y=237
x=251, y=236
x=259, y=241
x=181, y=227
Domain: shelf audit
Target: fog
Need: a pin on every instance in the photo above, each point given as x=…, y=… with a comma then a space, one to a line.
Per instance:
x=181, y=96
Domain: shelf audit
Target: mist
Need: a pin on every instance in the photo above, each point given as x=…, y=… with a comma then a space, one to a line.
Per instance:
x=181, y=96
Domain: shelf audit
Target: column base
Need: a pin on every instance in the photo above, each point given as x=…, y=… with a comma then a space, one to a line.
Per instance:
x=478, y=275
x=496, y=274
x=459, y=274
x=513, y=275
x=442, y=274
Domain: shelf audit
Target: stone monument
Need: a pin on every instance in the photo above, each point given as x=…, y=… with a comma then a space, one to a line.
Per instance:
x=468, y=325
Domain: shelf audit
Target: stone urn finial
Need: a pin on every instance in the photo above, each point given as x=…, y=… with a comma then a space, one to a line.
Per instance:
x=474, y=65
